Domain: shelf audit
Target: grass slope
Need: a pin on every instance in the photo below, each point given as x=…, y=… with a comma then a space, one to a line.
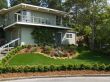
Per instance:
x=85, y=57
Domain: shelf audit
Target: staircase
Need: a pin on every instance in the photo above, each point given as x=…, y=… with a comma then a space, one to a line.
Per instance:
x=6, y=48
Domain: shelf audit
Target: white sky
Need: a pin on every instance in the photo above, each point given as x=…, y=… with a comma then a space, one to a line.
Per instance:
x=8, y=2
x=109, y=1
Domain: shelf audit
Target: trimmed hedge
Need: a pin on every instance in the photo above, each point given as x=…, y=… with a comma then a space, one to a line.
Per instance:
x=41, y=68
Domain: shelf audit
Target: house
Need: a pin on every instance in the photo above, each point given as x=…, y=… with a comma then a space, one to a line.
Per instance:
x=19, y=21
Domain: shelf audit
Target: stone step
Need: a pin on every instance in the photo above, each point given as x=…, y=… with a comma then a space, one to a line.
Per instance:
x=4, y=52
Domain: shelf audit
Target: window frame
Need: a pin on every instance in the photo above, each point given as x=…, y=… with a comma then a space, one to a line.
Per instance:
x=69, y=35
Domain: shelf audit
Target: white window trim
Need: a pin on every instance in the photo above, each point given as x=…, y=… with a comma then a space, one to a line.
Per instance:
x=69, y=34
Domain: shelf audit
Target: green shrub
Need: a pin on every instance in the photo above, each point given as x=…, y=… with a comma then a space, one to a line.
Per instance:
x=52, y=67
x=95, y=67
x=46, y=68
x=108, y=67
x=69, y=67
x=102, y=67
x=63, y=67
x=41, y=68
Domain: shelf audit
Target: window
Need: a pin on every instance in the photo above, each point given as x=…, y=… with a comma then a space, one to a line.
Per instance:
x=24, y=12
x=58, y=20
x=69, y=35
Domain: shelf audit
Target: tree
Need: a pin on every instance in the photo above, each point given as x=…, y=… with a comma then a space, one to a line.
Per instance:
x=86, y=14
x=15, y=2
x=103, y=30
x=3, y=4
x=54, y=4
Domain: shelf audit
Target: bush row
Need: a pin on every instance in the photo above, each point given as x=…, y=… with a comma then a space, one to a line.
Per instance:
x=41, y=68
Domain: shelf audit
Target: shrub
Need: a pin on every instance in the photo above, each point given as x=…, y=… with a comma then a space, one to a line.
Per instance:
x=63, y=67
x=46, y=68
x=69, y=67
x=41, y=68
x=47, y=49
x=108, y=67
x=52, y=67
x=102, y=67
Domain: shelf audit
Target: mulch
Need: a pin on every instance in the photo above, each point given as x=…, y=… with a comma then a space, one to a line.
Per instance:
x=55, y=73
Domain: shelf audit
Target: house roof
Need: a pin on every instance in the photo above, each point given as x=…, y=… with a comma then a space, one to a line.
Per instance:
x=34, y=8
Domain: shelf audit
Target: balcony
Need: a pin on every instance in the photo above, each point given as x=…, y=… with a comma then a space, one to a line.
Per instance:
x=32, y=20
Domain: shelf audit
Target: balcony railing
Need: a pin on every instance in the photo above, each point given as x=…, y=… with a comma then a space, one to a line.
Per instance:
x=32, y=19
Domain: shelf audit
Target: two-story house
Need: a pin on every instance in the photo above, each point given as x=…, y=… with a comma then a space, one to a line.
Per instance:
x=19, y=21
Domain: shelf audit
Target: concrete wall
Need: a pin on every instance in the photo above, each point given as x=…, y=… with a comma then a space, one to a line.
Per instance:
x=26, y=37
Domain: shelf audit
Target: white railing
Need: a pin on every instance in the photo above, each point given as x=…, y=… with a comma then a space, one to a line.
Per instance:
x=8, y=45
x=33, y=19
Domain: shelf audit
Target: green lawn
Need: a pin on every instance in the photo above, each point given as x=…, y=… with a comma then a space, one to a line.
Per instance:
x=85, y=57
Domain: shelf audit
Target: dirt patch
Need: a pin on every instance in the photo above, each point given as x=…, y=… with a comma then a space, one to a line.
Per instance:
x=55, y=73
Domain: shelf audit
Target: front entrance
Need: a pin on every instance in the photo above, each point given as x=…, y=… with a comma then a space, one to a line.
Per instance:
x=14, y=35
x=2, y=37
x=58, y=38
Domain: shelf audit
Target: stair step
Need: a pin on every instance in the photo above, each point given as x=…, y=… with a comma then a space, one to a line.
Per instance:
x=4, y=52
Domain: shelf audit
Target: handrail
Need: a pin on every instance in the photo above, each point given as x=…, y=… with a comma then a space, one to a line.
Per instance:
x=1, y=26
x=10, y=43
x=1, y=48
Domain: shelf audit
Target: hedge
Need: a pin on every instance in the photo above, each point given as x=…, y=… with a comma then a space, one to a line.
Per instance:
x=41, y=68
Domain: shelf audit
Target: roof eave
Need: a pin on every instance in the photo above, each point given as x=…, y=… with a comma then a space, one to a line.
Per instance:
x=32, y=7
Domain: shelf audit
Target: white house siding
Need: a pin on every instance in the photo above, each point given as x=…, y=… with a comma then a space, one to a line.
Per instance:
x=26, y=37
x=70, y=41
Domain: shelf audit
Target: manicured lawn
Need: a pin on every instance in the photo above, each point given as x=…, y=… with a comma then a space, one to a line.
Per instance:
x=85, y=57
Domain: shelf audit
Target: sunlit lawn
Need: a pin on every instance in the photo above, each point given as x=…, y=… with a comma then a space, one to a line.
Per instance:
x=85, y=57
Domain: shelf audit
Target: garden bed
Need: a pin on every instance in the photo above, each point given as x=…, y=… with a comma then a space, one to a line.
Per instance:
x=65, y=52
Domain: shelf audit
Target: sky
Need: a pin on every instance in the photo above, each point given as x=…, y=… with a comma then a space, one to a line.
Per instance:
x=8, y=2
x=109, y=1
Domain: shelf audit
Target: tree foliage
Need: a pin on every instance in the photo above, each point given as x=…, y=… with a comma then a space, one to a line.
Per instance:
x=43, y=35
x=3, y=4
x=54, y=4
x=86, y=17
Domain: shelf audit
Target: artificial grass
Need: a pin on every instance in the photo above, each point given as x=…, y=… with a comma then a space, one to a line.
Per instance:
x=85, y=57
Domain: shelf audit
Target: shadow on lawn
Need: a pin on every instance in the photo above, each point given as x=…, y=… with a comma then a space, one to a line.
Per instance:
x=92, y=56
